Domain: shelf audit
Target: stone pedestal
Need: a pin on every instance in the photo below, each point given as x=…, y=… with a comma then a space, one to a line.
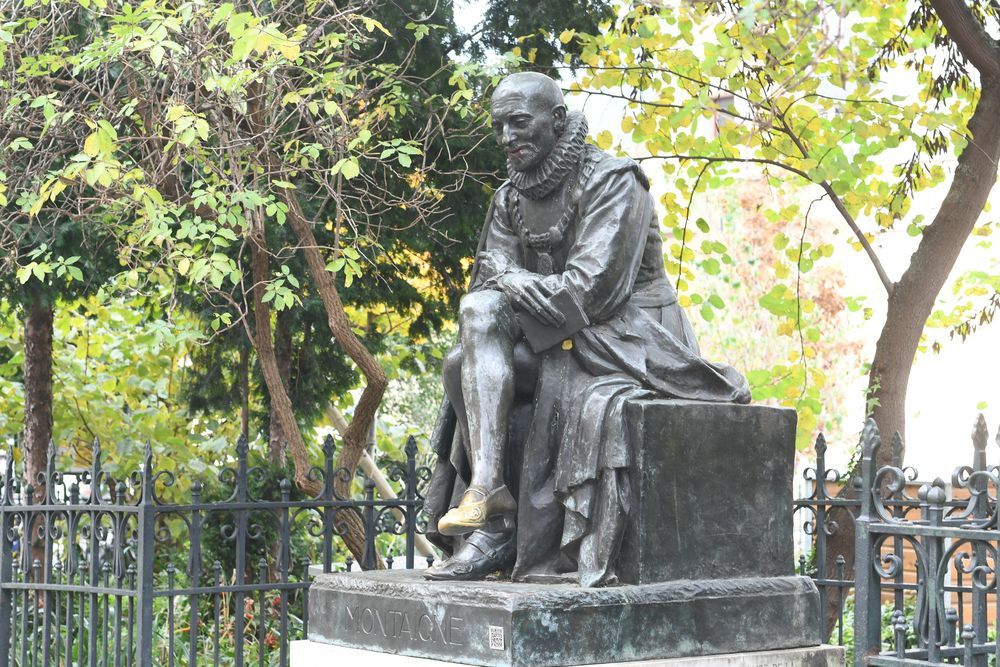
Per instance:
x=310, y=654
x=706, y=565
x=711, y=492
x=503, y=624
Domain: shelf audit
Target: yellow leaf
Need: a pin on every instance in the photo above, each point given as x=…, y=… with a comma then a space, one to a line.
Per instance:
x=289, y=49
x=262, y=43
x=91, y=146
x=604, y=140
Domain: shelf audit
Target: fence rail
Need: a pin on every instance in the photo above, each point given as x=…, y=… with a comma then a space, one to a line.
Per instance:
x=136, y=572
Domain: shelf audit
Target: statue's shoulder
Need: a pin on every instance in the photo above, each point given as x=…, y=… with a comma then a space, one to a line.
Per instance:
x=602, y=166
x=502, y=194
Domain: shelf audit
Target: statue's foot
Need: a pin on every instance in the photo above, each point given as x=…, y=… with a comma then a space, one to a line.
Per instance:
x=479, y=509
x=482, y=554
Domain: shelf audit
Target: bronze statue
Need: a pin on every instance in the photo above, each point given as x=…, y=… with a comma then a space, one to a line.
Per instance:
x=569, y=316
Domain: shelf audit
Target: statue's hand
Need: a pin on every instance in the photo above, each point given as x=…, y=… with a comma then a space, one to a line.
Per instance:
x=528, y=293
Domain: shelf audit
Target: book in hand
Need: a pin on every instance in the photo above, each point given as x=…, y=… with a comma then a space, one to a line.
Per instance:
x=542, y=336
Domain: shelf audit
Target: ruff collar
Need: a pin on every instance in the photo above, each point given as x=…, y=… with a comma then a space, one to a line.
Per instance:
x=541, y=181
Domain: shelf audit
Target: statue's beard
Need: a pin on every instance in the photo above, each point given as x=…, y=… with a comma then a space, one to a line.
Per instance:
x=541, y=180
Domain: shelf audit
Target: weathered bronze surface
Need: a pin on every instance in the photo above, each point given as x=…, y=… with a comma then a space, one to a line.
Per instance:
x=569, y=318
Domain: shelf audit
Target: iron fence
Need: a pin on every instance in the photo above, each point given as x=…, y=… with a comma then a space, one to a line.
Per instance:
x=99, y=571
x=925, y=589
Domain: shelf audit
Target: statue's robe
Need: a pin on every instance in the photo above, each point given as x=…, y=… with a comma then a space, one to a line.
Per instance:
x=569, y=448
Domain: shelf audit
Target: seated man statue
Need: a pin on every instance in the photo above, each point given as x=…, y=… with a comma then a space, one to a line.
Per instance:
x=532, y=440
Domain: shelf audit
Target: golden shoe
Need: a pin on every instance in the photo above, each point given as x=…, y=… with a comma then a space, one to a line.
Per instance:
x=477, y=509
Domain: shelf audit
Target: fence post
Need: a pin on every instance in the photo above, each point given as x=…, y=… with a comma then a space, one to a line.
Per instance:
x=144, y=582
x=411, y=499
x=935, y=497
x=980, y=511
x=821, y=500
x=7, y=555
x=867, y=598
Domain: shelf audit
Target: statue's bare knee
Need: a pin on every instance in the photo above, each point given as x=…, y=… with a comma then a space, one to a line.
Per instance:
x=485, y=313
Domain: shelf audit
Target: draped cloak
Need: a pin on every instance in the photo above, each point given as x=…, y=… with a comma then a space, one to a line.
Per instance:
x=569, y=459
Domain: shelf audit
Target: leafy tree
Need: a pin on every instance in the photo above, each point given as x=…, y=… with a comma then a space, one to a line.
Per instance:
x=805, y=90
x=187, y=147
x=412, y=283
x=47, y=260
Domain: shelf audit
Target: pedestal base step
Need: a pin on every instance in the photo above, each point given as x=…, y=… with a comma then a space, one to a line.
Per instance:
x=501, y=624
x=310, y=654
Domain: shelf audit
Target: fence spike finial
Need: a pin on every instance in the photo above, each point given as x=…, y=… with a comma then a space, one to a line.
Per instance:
x=411, y=447
x=329, y=445
x=870, y=439
x=242, y=447
x=8, y=477
x=980, y=434
x=896, y=448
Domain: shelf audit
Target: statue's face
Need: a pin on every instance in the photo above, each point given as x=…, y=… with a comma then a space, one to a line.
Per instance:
x=525, y=126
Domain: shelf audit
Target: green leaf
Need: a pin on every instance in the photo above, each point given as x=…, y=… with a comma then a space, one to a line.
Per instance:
x=350, y=168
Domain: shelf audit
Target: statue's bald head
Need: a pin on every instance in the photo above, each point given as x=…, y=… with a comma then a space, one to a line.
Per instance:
x=528, y=116
x=541, y=88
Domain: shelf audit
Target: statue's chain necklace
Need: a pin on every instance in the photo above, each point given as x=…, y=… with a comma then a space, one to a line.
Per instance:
x=543, y=243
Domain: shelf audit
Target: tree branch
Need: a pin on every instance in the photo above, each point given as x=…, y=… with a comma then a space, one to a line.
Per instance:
x=842, y=209
x=969, y=36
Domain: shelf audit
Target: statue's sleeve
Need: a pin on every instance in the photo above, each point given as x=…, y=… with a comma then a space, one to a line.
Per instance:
x=604, y=259
x=501, y=251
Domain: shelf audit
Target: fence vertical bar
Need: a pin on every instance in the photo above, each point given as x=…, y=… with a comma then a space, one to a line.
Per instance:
x=369, y=561
x=898, y=512
x=934, y=548
x=6, y=556
x=194, y=574
x=94, y=554
x=144, y=582
x=73, y=516
x=48, y=517
x=328, y=510
x=821, y=499
x=284, y=564
x=411, y=500
x=980, y=511
x=867, y=612
x=241, y=549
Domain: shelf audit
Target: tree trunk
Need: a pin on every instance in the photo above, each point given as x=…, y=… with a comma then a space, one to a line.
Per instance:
x=913, y=297
x=356, y=436
x=37, y=404
x=349, y=525
x=283, y=358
